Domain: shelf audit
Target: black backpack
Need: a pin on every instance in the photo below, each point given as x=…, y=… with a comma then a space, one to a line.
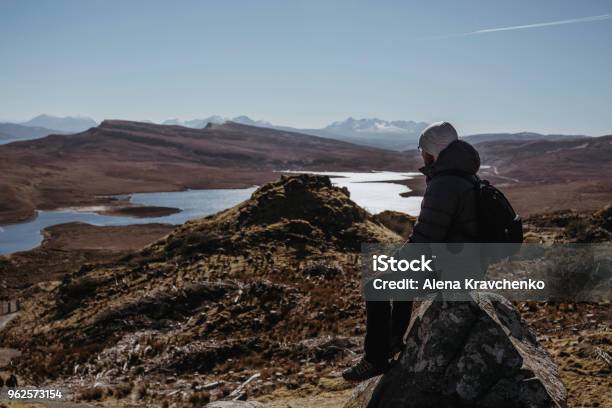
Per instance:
x=497, y=220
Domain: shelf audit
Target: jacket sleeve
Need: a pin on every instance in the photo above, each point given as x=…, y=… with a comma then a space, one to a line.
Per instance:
x=437, y=212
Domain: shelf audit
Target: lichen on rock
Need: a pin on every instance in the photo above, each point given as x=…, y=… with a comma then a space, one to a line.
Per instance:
x=477, y=353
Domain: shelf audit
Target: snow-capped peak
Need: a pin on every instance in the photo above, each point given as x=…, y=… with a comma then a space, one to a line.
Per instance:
x=375, y=125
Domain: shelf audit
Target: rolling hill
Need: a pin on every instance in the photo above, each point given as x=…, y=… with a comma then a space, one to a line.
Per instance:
x=548, y=175
x=519, y=137
x=551, y=160
x=121, y=156
x=398, y=135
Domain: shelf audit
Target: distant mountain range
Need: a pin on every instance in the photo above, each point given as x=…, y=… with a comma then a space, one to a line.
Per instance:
x=43, y=125
x=68, y=124
x=11, y=132
x=399, y=135
x=392, y=135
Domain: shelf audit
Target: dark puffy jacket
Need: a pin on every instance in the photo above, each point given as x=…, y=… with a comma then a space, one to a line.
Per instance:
x=448, y=210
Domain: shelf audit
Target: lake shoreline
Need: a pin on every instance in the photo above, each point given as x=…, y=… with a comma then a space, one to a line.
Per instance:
x=416, y=185
x=110, y=200
x=365, y=189
x=374, y=191
x=67, y=247
x=171, y=208
x=122, y=209
x=109, y=204
x=25, y=208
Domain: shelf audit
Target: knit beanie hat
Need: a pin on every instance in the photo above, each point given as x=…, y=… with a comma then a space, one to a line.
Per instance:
x=436, y=137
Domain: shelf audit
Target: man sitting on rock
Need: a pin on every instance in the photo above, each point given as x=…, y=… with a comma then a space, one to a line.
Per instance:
x=448, y=214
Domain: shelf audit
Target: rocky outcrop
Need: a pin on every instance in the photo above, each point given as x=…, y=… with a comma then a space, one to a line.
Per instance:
x=398, y=222
x=576, y=227
x=269, y=286
x=466, y=354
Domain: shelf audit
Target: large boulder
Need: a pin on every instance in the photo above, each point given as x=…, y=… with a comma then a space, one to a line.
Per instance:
x=477, y=353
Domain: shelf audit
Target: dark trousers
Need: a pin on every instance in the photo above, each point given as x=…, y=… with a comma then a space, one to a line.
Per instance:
x=385, y=321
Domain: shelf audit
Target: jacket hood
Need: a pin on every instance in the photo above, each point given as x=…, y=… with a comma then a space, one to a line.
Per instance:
x=458, y=156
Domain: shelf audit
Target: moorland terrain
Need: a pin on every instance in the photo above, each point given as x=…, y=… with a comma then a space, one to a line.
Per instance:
x=267, y=290
x=270, y=287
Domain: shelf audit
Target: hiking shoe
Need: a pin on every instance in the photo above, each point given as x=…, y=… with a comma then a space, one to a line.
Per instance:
x=363, y=370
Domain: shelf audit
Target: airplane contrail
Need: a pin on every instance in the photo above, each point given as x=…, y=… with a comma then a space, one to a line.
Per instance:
x=537, y=25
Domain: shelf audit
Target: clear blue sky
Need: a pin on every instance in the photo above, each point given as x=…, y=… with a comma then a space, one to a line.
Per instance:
x=307, y=63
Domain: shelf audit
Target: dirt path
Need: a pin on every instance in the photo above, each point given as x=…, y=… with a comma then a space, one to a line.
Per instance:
x=496, y=173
